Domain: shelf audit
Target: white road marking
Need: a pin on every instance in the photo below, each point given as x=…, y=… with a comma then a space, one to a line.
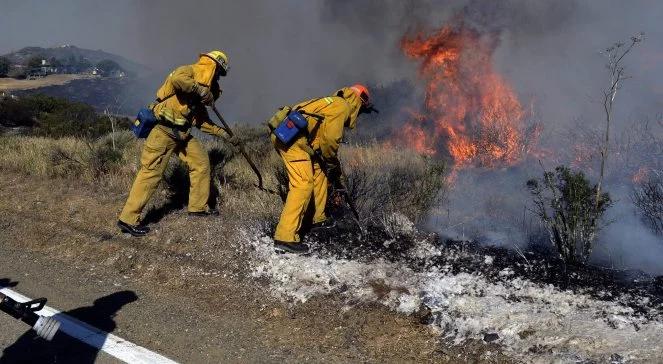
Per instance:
x=108, y=343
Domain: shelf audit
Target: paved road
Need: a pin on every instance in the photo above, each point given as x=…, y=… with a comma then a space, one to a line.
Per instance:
x=164, y=324
x=72, y=291
x=168, y=324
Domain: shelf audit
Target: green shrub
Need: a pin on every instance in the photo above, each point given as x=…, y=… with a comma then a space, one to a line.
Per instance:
x=34, y=61
x=57, y=118
x=13, y=113
x=107, y=67
x=565, y=201
x=5, y=66
x=76, y=119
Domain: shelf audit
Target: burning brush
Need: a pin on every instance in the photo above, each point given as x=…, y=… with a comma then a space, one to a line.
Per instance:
x=470, y=111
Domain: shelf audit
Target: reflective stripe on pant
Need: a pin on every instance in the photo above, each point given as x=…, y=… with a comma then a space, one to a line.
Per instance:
x=158, y=148
x=306, y=179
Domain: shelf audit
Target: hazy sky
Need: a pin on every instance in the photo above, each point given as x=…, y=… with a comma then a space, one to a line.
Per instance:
x=88, y=24
x=282, y=51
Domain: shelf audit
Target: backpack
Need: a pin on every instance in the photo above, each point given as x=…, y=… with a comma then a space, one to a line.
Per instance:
x=288, y=124
x=146, y=120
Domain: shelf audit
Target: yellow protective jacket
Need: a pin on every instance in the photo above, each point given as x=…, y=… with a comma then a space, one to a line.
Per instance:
x=339, y=111
x=180, y=101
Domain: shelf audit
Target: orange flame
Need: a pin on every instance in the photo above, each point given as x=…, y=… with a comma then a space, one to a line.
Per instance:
x=641, y=175
x=471, y=112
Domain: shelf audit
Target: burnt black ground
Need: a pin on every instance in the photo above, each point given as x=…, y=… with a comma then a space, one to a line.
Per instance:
x=635, y=289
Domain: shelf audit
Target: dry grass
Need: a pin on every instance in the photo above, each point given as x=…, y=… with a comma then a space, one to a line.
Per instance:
x=72, y=157
x=382, y=180
x=11, y=84
x=647, y=196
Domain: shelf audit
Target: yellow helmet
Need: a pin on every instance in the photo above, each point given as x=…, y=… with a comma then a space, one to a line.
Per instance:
x=220, y=58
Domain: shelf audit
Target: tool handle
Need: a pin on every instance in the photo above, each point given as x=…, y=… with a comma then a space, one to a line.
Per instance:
x=351, y=204
x=226, y=127
x=253, y=166
x=344, y=190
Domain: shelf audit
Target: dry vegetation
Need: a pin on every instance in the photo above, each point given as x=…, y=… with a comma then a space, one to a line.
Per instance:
x=648, y=199
x=50, y=80
x=383, y=181
x=67, y=211
x=387, y=181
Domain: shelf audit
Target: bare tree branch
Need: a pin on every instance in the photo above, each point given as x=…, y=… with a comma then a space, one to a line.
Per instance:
x=615, y=55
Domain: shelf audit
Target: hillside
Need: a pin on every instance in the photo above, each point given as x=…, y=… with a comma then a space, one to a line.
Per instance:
x=12, y=84
x=68, y=52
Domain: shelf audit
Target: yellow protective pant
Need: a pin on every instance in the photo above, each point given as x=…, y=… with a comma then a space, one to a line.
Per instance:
x=159, y=146
x=306, y=179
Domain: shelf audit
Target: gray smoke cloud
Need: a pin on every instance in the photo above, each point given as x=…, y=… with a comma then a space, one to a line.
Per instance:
x=550, y=53
x=285, y=51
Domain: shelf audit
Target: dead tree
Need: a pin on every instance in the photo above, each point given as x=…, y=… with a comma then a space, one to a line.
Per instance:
x=110, y=111
x=615, y=55
x=648, y=199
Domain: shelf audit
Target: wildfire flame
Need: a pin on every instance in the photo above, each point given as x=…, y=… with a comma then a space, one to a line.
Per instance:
x=471, y=112
x=641, y=175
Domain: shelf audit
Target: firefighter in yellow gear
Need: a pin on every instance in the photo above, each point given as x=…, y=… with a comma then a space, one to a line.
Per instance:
x=305, y=157
x=180, y=105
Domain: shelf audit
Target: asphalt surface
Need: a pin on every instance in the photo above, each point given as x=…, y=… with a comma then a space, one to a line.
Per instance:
x=70, y=290
x=161, y=324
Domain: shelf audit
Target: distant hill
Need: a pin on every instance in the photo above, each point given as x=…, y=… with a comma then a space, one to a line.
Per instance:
x=66, y=53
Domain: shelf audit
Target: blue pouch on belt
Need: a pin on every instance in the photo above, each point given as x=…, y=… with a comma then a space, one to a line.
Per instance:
x=144, y=123
x=291, y=127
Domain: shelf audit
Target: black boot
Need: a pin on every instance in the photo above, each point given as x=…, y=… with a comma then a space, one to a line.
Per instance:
x=210, y=212
x=295, y=248
x=325, y=224
x=135, y=230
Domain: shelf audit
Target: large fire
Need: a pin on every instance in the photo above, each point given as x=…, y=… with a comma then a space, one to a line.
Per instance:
x=470, y=111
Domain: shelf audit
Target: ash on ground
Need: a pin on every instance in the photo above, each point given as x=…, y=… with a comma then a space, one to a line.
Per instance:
x=534, y=306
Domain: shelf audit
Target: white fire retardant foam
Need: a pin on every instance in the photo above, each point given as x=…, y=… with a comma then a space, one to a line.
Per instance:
x=535, y=322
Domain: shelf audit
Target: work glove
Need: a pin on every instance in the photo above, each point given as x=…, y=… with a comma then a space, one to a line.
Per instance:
x=335, y=174
x=342, y=182
x=234, y=140
x=205, y=95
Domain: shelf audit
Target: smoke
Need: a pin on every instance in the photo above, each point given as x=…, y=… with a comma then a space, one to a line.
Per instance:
x=626, y=242
x=285, y=51
x=550, y=54
x=280, y=52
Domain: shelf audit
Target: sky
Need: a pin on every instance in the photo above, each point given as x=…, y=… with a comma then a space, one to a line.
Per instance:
x=285, y=51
